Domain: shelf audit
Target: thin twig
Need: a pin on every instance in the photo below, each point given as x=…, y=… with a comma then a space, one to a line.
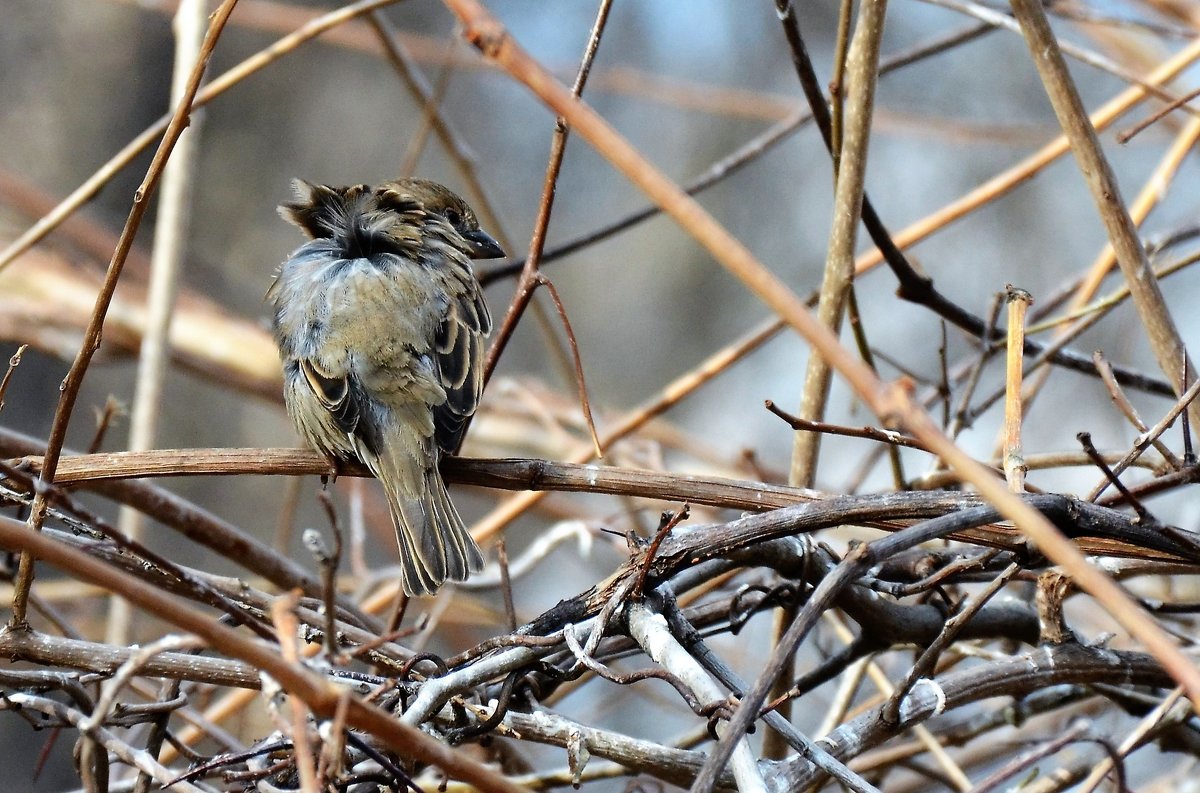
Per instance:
x=287, y=629
x=1128, y=410
x=669, y=521
x=329, y=563
x=1126, y=135
x=962, y=413
x=528, y=281
x=585, y=403
x=1014, y=461
x=870, y=433
x=106, y=418
x=510, y=611
x=431, y=109
x=1085, y=440
x=1148, y=438
x=13, y=362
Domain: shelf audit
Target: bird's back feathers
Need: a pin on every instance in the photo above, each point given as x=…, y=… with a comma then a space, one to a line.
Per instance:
x=357, y=221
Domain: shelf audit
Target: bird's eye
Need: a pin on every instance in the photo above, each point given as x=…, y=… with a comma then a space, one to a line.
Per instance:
x=453, y=217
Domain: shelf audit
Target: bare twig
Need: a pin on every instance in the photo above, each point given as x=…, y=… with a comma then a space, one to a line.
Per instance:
x=329, y=562
x=650, y=631
x=1126, y=135
x=287, y=630
x=1130, y=412
x=13, y=362
x=528, y=281
x=870, y=433
x=1143, y=443
x=585, y=403
x=1014, y=459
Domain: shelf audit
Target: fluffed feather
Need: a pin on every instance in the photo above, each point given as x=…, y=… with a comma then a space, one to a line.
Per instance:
x=381, y=324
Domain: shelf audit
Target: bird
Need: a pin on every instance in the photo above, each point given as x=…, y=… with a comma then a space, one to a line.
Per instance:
x=381, y=325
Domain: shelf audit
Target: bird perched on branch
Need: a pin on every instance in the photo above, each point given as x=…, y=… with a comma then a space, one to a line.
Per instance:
x=380, y=323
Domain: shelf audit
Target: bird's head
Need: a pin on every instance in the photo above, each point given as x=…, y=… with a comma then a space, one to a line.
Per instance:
x=439, y=201
x=361, y=220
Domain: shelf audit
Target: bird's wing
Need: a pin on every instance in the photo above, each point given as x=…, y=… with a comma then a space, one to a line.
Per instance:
x=341, y=395
x=458, y=353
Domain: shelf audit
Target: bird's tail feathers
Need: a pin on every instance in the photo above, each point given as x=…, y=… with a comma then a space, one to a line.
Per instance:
x=435, y=545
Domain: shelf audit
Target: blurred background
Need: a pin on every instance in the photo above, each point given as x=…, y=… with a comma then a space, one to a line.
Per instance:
x=687, y=84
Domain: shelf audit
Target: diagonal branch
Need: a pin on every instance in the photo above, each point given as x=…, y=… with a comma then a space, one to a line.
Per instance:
x=1164, y=337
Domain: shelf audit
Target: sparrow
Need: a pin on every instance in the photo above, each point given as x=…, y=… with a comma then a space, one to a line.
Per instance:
x=380, y=324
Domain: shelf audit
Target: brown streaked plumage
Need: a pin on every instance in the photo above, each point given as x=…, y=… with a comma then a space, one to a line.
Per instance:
x=380, y=323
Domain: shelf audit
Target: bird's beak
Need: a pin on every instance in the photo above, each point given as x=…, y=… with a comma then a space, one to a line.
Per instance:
x=483, y=246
